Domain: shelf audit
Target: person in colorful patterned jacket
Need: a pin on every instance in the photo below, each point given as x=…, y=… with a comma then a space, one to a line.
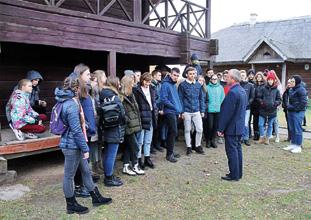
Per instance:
x=23, y=120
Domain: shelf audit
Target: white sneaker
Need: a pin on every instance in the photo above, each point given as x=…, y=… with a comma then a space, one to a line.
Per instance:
x=137, y=170
x=127, y=170
x=18, y=133
x=31, y=136
x=289, y=147
x=296, y=150
x=277, y=139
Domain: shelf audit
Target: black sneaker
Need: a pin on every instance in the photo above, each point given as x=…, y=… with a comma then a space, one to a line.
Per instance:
x=199, y=150
x=189, y=151
x=153, y=151
x=171, y=158
x=111, y=181
x=247, y=143
x=176, y=155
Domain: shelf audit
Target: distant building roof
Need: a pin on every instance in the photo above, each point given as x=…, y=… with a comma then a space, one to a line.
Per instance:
x=291, y=39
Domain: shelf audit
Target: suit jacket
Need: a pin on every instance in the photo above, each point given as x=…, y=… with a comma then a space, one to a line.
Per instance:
x=232, y=112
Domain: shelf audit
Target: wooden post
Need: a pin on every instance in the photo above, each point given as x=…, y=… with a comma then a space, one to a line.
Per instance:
x=112, y=63
x=137, y=11
x=208, y=19
x=166, y=13
x=283, y=75
x=253, y=67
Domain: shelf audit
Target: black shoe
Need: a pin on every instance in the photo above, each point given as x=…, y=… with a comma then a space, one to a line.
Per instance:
x=74, y=207
x=199, y=150
x=228, y=178
x=98, y=199
x=141, y=164
x=112, y=181
x=208, y=144
x=153, y=151
x=80, y=191
x=95, y=177
x=158, y=148
x=176, y=155
x=148, y=162
x=247, y=143
x=213, y=144
x=171, y=158
x=256, y=137
x=189, y=151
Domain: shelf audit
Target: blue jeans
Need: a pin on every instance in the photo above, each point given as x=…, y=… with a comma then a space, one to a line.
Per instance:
x=261, y=125
x=72, y=160
x=295, y=120
x=110, y=154
x=234, y=155
x=246, y=128
x=144, y=138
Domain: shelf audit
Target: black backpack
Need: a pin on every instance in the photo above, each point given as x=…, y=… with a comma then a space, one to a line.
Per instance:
x=110, y=113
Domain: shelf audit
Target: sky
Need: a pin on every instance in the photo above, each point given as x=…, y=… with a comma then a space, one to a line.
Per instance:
x=227, y=12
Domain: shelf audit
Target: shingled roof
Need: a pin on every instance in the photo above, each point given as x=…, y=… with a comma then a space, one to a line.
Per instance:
x=290, y=38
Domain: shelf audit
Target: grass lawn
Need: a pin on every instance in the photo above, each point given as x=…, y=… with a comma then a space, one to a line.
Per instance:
x=276, y=185
x=282, y=119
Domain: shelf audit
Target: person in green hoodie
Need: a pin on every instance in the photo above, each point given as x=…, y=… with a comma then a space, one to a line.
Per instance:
x=216, y=95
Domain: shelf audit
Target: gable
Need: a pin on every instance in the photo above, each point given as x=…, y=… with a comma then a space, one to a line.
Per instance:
x=265, y=54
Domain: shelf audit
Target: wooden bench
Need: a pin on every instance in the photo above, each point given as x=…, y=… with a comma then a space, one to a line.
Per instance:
x=10, y=148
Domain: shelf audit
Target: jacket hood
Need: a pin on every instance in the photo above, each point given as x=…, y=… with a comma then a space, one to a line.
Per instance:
x=18, y=92
x=73, y=75
x=194, y=57
x=169, y=80
x=213, y=85
x=32, y=74
x=62, y=95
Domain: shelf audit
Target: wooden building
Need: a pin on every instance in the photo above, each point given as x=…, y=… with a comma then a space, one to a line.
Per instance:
x=282, y=45
x=52, y=36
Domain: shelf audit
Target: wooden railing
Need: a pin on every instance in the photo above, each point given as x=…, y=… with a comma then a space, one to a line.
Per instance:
x=177, y=15
x=187, y=17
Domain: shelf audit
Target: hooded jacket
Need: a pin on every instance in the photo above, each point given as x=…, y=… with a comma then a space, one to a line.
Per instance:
x=73, y=138
x=269, y=99
x=216, y=96
x=34, y=96
x=169, y=97
x=19, y=111
x=297, y=99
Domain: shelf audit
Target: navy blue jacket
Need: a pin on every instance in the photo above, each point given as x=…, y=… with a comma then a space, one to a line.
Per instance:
x=146, y=114
x=250, y=92
x=232, y=113
x=191, y=96
x=113, y=135
x=169, y=97
x=297, y=99
x=89, y=114
x=73, y=138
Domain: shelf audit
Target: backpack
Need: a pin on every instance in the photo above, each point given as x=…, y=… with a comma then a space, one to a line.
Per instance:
x=110, y=113
x=57, y=125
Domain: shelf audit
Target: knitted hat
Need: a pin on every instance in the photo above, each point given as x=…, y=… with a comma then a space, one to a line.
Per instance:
x=297, y=79
x=194, y=57
x=270, y=75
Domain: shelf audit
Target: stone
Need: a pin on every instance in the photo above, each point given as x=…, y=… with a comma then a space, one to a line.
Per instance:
x=3, y=165
x=8, y=177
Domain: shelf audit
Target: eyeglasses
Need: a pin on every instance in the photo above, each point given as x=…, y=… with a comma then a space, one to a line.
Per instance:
x=214, y=78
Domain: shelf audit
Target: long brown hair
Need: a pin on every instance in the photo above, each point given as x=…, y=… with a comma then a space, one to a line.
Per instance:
x=113, y=81
x=99, y=75
x=80, y=69
x=127, y=83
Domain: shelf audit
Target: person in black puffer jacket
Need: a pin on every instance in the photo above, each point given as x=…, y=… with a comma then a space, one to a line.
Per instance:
x=259, y=85
x=297, y=104
x=269, y=99
x=112, y=136
x=285, y=104
x=145, y=96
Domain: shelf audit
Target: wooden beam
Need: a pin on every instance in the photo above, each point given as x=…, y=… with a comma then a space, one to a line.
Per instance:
x=107, y=7
x=88, y=4
x=137, y=11
x=284, y=75
x=112, y=63
x=124, y=10
x=208, y=19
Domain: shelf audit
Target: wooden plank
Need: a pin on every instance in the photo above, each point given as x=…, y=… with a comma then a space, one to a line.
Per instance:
x=102, y=12
x=29, y=145
x=137, y=11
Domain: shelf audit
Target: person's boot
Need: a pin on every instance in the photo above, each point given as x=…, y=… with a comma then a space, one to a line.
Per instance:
x=98, y=199
x=112, y=181
x=256, y=137
x=261, y=140
x=267, y=141
x=213, y=143
x=148, y=162
x=74, y=207
x=138, y=170
x=199, y=150
x=208, y=144
x=189, y=150
x=141, y=164
x=153, y=151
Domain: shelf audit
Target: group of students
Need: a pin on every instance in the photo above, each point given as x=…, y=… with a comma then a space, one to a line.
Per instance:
x=141, y=112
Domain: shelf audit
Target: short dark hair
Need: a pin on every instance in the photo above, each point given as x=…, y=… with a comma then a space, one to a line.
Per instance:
x=190, y=68
x=154, y=72
x=175, y=69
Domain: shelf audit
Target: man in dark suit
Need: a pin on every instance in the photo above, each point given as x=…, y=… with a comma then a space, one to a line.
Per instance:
x=231, y=124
